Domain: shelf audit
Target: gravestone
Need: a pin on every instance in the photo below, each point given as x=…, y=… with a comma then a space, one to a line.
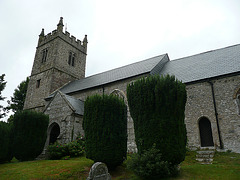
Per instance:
x=99, y=171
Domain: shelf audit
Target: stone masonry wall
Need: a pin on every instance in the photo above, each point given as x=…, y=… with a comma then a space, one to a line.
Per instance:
x=61, y=62
x=108, y=89
x=70, y=124
x=55, y=71
x=200, y=104
x=35, y=95
x=227, y=107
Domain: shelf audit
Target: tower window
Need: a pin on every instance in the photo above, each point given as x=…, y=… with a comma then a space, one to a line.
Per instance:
x=38, y=83
x=71, y=59
x=44, y=55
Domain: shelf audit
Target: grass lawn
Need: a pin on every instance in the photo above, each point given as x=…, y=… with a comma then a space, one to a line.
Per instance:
x=225, y=166
x=75, y=168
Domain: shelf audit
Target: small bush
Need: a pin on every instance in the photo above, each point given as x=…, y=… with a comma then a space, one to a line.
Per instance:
x=57, y=151
x=72, y=149
x=150, y=165
x=75, y=149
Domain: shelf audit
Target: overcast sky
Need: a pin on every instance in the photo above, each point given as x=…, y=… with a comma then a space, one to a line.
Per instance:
x=119, y=32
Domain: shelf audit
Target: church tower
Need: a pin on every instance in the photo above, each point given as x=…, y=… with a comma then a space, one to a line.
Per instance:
x=59, y=58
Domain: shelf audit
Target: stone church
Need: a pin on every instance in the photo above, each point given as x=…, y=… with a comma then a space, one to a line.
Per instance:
x=58, y=87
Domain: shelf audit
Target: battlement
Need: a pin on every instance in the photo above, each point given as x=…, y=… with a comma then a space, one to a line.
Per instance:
x=70, y=39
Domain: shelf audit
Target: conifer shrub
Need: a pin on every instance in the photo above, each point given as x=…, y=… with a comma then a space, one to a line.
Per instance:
x=5, y=142
x=157, y=106
x=105, y=127
x=30, y=133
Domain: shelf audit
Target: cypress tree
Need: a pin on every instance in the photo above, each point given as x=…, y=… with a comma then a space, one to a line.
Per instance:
x=105, y=127
x=30, y=133
x=5, y=142
x=157, y=106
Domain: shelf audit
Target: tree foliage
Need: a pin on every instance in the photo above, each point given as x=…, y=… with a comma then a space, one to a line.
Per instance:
x=5, y=142
x=19, y=95
x=30, y=133
x=2, y=87
x=157, y=106
x=105, y=127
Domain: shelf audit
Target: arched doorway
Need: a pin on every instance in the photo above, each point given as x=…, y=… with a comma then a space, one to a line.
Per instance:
x=55, y=131
x=205, y=132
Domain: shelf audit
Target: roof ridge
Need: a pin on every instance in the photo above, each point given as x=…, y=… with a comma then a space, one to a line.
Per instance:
x=226, y=47
x=72, y=97
x=124, y=66
x=67, y=101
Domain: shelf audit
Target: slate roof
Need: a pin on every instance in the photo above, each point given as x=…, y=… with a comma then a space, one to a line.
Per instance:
x=205, y=65
x=202, y=66
x=78, y=105
x=135, y=69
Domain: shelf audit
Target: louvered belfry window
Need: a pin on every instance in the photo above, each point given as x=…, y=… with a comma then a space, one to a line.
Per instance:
x=71, y=59
x=44, y=55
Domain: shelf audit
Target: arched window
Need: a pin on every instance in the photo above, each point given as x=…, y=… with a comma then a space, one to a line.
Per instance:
x=205, y=132
x=120, y=94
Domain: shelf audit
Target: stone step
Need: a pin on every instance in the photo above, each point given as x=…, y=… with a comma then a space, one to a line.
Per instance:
x=205, y=152
x=208, y=148
x=205, y=162
x=204, y=159
x=204, y=155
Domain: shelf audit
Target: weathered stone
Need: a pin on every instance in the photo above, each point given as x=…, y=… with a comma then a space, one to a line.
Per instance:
x=54, y=71
x=200, y=104
x=205, y=156
x=99, y=171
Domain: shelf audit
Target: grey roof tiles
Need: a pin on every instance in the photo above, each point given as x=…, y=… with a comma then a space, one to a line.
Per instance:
x=188, y=69
x=77, y=104
x=121, y=73
x=205, y=65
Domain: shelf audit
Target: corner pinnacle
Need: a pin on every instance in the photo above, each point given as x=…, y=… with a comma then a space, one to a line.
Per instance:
x=60, y=24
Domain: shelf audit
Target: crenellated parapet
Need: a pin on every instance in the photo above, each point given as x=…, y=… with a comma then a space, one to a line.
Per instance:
x=58, y=33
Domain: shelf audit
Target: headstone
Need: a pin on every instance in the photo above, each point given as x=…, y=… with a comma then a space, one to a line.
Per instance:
x=99, y=171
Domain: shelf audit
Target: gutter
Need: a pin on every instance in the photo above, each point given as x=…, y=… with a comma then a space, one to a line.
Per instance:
x=216, y=114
